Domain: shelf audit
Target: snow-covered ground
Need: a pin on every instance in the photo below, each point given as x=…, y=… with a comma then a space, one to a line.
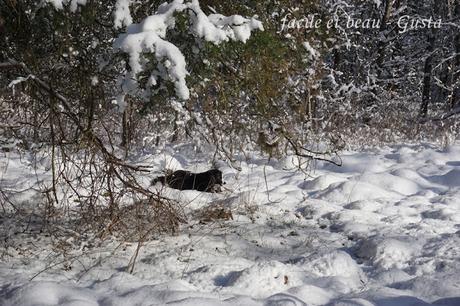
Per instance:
x=384, y=229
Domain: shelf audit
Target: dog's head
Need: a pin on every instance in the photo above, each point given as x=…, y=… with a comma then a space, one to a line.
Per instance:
x=216, y=175
x=160, y=179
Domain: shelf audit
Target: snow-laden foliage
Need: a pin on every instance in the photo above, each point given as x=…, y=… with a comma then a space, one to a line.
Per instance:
x=122, y=16
x=59, y=4
x=149, y=37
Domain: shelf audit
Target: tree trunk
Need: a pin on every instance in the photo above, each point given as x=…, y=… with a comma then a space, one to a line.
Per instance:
x=427, y=70
x=383, y=27
x=90, y=101
x=387, y=14
x=455, y=96
x=127, y=126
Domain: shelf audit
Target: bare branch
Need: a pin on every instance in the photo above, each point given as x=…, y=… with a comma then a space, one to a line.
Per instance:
x=321, y=156
x=455, y=111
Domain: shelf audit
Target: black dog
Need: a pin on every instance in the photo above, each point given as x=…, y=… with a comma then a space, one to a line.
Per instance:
x=209, y=181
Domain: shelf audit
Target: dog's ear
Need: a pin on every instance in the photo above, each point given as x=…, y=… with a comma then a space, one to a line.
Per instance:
x=160, y=179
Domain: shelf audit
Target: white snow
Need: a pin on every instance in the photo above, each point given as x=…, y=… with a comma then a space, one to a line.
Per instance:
x=313, y=53
x=59, y=4
x=384, y=229
x=122, y=15
x=378, y=2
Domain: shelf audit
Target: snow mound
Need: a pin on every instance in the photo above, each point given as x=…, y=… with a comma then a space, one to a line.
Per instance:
x=413, y=176
x=322, y=182
x=351, y=302
x=358, y=163
x=48, y=294
x=263, y=279
x=311, y=294
x=393, y=276
x=337, y=265
x=445, y=285
x=450, y=179
x=391, y=182
x=445, y=213
x=354, y=190
x=387, y=253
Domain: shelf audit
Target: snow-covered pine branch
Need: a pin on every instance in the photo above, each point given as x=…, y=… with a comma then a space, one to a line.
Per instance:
x=149, y=37
x=122, y=15
x=59, y=4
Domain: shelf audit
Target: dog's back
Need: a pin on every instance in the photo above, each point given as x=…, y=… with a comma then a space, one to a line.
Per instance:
x=180, y=179
x=185, y=180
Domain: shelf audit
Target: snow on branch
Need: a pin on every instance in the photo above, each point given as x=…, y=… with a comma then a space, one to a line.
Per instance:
x=18, y=81
x=218, y=28
x=148, y=37
x=122, y=15
x=59, y=4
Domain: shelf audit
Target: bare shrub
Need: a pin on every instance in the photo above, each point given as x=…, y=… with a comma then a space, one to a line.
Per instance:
x=140, y=220
x=214, y=212
x=93, y=188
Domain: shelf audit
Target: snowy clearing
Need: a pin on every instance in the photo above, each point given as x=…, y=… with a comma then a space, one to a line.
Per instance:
x=384, y=229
